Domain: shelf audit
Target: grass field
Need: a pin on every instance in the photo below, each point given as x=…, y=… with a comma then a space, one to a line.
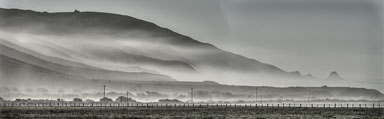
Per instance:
x=191, y=113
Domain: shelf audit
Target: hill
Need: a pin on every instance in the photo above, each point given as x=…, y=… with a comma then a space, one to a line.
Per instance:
x=121, y=41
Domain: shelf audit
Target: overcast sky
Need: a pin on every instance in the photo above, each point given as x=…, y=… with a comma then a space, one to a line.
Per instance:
x=311, y=36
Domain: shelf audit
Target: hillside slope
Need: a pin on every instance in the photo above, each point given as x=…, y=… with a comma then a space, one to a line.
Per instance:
x=119, y=40
x=76, y=69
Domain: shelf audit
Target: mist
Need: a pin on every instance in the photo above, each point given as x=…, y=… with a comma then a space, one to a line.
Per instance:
x=75, y=47
x=65, y=51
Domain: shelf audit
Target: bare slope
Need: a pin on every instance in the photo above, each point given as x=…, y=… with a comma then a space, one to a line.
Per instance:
x=127, y=40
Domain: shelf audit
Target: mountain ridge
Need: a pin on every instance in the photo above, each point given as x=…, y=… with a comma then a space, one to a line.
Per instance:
x=152, y=40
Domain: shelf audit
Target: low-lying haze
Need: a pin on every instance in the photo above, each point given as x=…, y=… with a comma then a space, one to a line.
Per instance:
x=310, y=36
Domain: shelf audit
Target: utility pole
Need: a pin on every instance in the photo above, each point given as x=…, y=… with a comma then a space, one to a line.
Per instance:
x=256, y=96
x=127, y=96
x=309, y=95
x=104, y=90
x=192, y=95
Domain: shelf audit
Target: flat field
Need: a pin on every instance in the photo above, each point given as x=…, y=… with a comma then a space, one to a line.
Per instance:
x=192, y=113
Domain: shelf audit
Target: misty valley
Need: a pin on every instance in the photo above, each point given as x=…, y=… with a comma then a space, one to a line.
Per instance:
x=203, y=92
x=82, y=59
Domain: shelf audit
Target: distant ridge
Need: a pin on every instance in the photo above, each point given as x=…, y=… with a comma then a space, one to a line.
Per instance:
x=133, y=42
x=335, y=76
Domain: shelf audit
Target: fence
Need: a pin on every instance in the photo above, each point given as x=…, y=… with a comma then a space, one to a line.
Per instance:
x=187, y=105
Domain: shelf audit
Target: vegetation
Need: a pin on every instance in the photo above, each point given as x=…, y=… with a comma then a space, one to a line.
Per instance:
x=77, y=100
x=197, y=112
